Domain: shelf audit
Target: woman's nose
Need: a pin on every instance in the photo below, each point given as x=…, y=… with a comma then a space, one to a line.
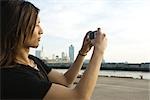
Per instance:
x=41, y=30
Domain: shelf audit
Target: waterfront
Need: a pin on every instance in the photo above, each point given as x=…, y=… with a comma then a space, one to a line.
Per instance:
x=110, y=73
x=120, y=85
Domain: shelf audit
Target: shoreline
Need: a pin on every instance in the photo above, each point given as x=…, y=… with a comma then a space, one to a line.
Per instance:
x=113, y=76
x=121, y=74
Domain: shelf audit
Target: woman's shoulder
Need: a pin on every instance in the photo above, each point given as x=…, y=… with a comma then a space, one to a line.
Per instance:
x=34, y=58
x=41, y=63
x=37, y=60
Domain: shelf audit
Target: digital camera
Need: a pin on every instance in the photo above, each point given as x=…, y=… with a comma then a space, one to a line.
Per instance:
x=92, y=34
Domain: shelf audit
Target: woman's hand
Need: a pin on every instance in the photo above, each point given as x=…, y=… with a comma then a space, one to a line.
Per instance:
x=100, y=42
x=87, y=44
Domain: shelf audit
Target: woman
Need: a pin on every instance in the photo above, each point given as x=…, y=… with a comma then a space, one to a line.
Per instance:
x=25, y=76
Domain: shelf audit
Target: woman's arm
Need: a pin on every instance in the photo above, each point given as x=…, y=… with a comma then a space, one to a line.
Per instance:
x=88, y=81
x=85, y=87
x=68, y=78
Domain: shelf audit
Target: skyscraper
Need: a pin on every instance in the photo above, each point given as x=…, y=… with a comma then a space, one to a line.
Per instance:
x=62, y=55
x=71, y=53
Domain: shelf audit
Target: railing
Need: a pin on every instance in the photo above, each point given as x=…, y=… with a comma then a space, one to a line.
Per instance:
x=108, y=66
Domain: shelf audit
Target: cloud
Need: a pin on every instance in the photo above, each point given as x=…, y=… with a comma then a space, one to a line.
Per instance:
x=126, y=23
x=64, y=18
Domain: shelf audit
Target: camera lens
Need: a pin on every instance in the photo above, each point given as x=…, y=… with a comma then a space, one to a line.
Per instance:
x=92, y=34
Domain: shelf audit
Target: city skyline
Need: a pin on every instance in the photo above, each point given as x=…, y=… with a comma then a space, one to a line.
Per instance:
x=61, y=57
x=126, y=23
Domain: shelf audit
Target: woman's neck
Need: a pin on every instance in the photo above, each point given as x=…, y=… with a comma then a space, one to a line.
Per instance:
x=22, y=56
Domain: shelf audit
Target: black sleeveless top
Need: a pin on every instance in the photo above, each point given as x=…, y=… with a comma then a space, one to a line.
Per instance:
x=25, y=82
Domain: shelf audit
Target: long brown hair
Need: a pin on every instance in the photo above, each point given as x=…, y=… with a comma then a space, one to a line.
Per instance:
x=18, y=19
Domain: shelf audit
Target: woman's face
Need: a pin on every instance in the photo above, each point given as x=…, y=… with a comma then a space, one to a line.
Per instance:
x=36, y=36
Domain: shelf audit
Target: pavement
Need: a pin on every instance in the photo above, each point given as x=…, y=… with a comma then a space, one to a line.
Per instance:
x=112, y=88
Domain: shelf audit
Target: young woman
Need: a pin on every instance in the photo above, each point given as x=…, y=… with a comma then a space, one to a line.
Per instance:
x=25, y=76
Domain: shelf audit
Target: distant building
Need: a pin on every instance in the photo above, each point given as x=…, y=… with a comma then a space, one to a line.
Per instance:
x=38, y=53
x=103, y=60
x=86, y=61
x=71, y=53
x=57, y=58
x=53, y=56
x=63, y=55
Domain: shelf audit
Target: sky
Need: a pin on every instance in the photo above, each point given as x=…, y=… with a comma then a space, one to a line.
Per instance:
x=125, y=22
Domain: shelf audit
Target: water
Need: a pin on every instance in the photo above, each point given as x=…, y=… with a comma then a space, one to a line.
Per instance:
x=109, y=73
